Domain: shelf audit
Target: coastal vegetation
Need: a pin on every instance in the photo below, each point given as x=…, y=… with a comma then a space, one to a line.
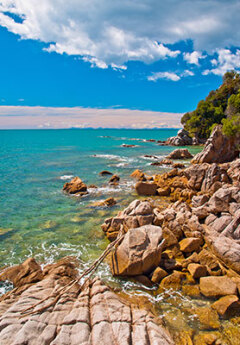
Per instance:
x=221, y=106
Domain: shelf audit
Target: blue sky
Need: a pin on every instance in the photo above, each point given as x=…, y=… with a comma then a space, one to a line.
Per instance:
x=140, y=54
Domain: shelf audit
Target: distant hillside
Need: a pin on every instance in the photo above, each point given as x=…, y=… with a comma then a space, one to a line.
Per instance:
x=219, y=107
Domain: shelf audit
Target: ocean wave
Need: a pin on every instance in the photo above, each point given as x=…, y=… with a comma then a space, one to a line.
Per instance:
x=66, y=177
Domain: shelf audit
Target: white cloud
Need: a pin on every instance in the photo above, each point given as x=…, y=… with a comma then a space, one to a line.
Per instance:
x=114, y=32
x=225, y=61
x=163, y=75
x=170, y=75
x=193, y=58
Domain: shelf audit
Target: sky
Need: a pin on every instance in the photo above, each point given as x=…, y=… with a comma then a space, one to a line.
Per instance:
x=121, y=63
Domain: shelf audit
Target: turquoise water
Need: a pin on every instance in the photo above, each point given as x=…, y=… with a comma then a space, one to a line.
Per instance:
x=36, y=218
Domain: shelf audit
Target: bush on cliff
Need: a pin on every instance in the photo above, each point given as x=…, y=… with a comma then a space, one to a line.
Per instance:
x=220, y=106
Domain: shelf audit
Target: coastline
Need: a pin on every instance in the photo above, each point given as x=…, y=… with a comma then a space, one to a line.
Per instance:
x=172, y=318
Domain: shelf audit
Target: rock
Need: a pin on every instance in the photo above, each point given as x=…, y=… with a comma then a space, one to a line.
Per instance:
x=225, y=304
x=75, y=186
x=178, y=166
x=220, y=200
x=164, y=191
x=128, y=145
x=26, y=273
x=93, y=186
x=190, y=244
x=93, y=315
x=109, y=202
x=158, y=275
x=144, y=280
x=150, y=156
x=197, y=271
x=182, y=139
x=208, y=318
x=218, y=149
x=144, y=188
x=105, y=172
x=233, y=170
x=173, y=281
x=114, y=179
x=209, y=338
x=199, y=200
x=163, y=162
x=180, y=154
x=139, y=252
x=139, y=175
x=217, y=286
x=191, y=290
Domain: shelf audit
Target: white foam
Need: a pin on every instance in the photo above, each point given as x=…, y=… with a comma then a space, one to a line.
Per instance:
x=66, y=177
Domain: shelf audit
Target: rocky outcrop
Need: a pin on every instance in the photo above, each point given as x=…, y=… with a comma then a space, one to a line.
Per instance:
x=114, y=179
x=180, y=154
x=218, y=149
x=139, y=252
x=105, y=172
x=95, y=315
x=75, y=186
x=137, y=214
x=182, y=139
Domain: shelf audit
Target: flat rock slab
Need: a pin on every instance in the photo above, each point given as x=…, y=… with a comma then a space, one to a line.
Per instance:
x=217, y=286
x=94, y=316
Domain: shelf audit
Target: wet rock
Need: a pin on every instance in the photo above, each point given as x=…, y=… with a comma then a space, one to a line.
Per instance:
x=143, y=280
x=178, y=166
x=197, y=271
x=217, y=286
x=191, y=290
x=190, y=244
x=139, y=252
x=173, y=281
x=225, y=304
x=208, y=318
x=218, y=149
x=93, y=186
x=209, y=338
x=26, y=273
x=144, y=188
x=180, y=154
x=139, y=175
x=163, y=162
x=105, y=172
x=109, y=202
x=158, y=275
x=128, y=145
x=75, y=186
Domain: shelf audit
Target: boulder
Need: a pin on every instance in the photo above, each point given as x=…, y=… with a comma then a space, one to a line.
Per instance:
x=181, y=139
x=180, y=154
x=190, y=244
x=217, y=286
x=218, y=149
x=26, y=273
x=75, y=186
x=144, y=188
x=158, y=275
x=225, y=304
x=139, y=252
x=138, y=174
x=197, y=271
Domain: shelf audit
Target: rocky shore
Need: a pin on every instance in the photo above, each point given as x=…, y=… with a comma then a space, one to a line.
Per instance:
x=192, y=246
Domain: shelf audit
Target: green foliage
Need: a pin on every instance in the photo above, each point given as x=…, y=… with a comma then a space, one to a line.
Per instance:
x=215, y=108
x=231, y=126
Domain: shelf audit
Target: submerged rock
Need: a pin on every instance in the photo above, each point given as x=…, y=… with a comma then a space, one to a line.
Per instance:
x=75, y=186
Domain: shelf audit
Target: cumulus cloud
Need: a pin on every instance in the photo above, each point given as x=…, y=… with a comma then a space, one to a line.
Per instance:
x=114, y=32
x=170, y=75
x=225, y=61
x=193, y=58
